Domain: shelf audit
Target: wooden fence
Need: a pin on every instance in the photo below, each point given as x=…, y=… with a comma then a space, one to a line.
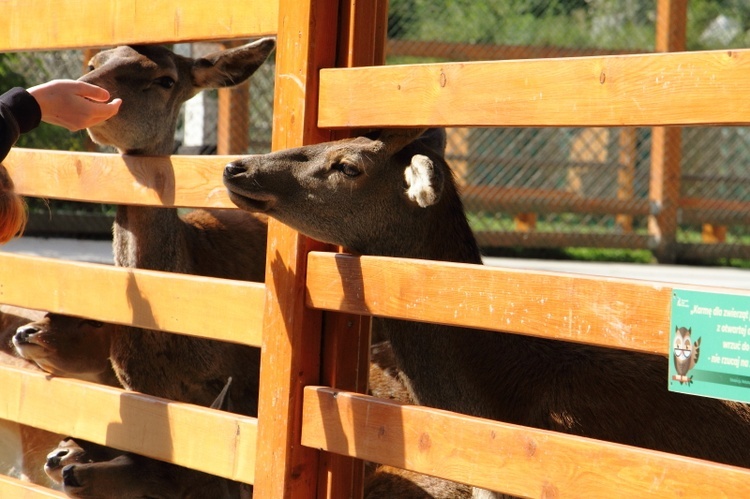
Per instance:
x=309, y=437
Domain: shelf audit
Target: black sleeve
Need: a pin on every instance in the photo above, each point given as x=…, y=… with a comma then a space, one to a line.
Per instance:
x=19, y=113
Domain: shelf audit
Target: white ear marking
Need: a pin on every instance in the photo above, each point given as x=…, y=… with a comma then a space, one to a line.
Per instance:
x=424, y=181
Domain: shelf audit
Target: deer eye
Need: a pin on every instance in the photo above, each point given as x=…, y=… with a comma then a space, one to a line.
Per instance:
x=91, y=67
x=346, y=169
x=165, y=81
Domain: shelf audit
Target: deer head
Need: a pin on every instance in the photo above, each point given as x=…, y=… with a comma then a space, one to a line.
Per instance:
x=355, y=191
x=153, y=82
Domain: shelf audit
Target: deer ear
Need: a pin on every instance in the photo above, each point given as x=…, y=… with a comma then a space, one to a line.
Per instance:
x=230, y=67
x=424, y=180
x=395, y=139
x=222, y=401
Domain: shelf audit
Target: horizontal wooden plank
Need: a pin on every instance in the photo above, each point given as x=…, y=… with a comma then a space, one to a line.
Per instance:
x=222, y=309
x=689, y=88
x=452, y=51
x=514, y=459
x=182, y=181
x=132, y=421
x=537, y=239
x=695, y=209
x=525, y=199
x=615, y=313
x=698, y=251
x=46, y=25
x=11, y=488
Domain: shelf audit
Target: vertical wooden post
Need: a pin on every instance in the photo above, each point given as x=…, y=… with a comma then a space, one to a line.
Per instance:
x=290, y=358
x=626, y=175
x=664, y=189
x=233, y=126
x=457, y=152
x=346, y=340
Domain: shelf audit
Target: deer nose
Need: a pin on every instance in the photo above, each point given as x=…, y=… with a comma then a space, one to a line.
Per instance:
x=23, y=333
x=235, y=168
x=69, y=477
x=53, y=460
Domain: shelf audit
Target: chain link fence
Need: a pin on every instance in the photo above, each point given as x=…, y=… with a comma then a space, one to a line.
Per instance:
x=523, y=187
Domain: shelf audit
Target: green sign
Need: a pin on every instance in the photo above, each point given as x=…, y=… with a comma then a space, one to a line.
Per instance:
x=710, y=345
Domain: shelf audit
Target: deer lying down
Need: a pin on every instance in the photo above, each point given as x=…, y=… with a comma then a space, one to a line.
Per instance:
x=68, y=346
x=87, y=470
x=84, y=469
x=22, y=448
x=393, y=194
x=153, y=83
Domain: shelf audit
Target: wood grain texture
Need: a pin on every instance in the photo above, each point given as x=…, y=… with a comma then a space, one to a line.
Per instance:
x=690, y=88
x=132, y=421
x=52, y=25
x=179, y=181
x=290, y=356
x=221, y=309
x=499, y=456
x=12, y=488
x=616, y=313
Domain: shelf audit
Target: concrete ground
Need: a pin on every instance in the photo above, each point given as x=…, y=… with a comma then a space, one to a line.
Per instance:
x=101, y=252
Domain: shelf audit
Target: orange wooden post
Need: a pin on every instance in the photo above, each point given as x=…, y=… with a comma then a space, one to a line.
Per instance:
x=290, y=359
x=626, y=175
x=346, y=341
x=664, y=189
x=233, y=125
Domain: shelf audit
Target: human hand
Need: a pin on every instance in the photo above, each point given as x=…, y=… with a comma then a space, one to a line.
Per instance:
x=74, y=104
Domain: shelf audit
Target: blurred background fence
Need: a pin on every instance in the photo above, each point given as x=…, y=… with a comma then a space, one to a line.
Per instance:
x=677, y=194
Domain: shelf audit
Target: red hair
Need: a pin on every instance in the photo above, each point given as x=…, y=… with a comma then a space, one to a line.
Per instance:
x=13, y=215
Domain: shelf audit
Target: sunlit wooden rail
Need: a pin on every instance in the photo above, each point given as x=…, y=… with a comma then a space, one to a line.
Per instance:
x=311, y=434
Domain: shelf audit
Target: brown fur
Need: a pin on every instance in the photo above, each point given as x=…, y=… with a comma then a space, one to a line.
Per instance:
x=27, y=459
x=153, y=82
x=68, y=346
x=394, y=196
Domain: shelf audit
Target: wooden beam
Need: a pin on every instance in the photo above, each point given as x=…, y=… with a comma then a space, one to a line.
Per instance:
x=517, y=460
x=290, y=356
x=17, y=489
x=174, y=181
x=132, y=421
x=346, y=337
x=634, y=90
x=193, y=305
x=452, y=51
x=569, y=307
x=666, y=143
x=45, y=25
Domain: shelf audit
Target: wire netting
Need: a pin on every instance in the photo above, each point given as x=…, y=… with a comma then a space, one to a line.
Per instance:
x=523, y=187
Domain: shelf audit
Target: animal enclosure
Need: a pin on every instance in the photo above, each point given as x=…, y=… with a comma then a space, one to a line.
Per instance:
x=315, y=425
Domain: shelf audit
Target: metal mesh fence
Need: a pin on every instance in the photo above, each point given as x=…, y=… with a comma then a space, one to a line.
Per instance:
x=527, y=187
x=571, y=186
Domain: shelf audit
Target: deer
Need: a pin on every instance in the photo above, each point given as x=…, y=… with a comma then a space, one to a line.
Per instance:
x=24, y=448
x=84, y=469
x=68, y=346
x=391, y=193
x=153, y=83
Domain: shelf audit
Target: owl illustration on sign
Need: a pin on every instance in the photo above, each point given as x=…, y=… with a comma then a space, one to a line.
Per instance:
x=686, y=353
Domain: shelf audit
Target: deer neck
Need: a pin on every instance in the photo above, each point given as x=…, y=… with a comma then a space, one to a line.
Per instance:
x=149, y=237
x=146, y=237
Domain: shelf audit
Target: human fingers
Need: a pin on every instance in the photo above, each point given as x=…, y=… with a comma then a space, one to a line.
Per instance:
x=91, y=92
